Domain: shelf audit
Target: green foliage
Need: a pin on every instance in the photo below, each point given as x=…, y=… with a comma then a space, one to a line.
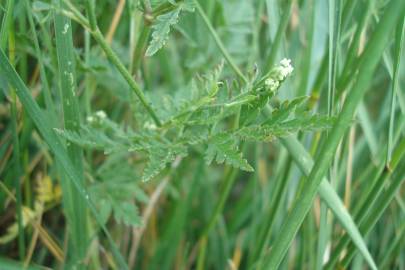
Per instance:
x=207, y=153
x=163, y=23
x=159, y=156
x=222, y=147
x=117, y=198
x=206, y=108
x=161, y=30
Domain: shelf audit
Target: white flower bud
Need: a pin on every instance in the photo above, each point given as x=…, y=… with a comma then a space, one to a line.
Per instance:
x=101, y=114
x=272, y=84
x=285, y=68
x=90, y=119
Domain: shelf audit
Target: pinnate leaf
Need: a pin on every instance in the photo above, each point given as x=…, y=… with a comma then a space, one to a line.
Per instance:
x=222, y=148
x=159, y=156
x=161, y=30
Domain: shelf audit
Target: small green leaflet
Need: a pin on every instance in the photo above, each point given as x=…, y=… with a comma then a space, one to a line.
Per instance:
x=285, y=110
x=162, y=25
x=222, y=148
x=160, y=156
x=116, y=197
x=127, y=213
x=161, y=30
x=269, y=132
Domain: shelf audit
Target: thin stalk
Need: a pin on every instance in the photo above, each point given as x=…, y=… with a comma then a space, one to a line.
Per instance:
x=87, y=78
x=98, y=36
x=140, y=48
x=91, y=14
x=219, y=43
x=112, y=56
x=399, y=37
x=285, y=18
x=334, y=42
x=42, y=73
x=350, y=65
x=306, y=66
x=115, y=21
x=334, y=39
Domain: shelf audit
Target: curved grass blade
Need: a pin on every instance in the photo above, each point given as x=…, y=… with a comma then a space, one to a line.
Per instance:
x=367, y=65
x=304, y=161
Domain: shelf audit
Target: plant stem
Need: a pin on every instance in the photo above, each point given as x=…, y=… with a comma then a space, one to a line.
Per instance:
x=111, y=55
x=219, y=43
x=98, y=36
x=279, y=35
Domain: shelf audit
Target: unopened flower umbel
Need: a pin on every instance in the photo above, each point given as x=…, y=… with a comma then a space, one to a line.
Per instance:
x=97, y=116
x=286, y=68
x=279, y=74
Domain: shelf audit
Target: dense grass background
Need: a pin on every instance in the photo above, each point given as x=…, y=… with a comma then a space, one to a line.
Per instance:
x=77, y=200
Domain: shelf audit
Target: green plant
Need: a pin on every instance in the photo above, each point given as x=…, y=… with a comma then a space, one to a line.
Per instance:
x=189, y=140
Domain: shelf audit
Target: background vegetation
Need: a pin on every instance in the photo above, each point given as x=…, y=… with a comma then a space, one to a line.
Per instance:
x=234, y=134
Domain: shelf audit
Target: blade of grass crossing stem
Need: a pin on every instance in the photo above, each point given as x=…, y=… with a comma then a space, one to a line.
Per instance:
x=91, y=25
x=399, y=42
x=219, y=43
x=307, y=61
x=74, y=204
x=42, y=73
x=285, y=18
x=98, y=36
x=53, y=141
x=305, y=163
x=367, y=65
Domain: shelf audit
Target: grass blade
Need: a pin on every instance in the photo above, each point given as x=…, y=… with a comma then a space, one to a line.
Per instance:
x=75, y=206
x=329, y=196
x=53, y=141
x=395, y=84
x=367, y=65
